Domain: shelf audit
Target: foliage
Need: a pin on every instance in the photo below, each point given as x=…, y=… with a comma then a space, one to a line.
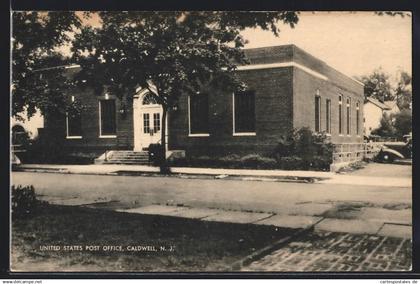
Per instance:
x=304, y=149
x=36, y=36
x=24, y=201
x=169, y=53
x=377, y=86
x=395, y=125
x=403, y=91
x=255, y=161
x=403, y=123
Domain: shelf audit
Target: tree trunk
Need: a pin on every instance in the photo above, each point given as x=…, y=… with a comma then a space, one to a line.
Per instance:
x=164, y=168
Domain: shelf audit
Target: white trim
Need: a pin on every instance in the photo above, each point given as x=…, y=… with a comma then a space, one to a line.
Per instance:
x=244, y=134
x=67, y=130
x=283, y=64
x=199, y=135
x=234, y=133
x=100, y=123
x=189, y=124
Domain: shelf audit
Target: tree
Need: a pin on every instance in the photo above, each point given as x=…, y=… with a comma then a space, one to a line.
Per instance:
x=377, y=86
x=35, y=39
x=169, y=53
x=403, y=122
x=386, y=128
x=403, y=91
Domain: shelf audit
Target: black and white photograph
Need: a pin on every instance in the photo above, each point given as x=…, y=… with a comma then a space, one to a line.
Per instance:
x=211, y=141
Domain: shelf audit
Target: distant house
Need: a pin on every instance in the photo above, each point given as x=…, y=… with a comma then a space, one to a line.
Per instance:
x=373, y=111
x=31, y=126
x=287, y=88
x=393, y=107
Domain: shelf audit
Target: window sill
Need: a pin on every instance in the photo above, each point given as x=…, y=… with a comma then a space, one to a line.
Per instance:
x=107, y=136
x=244, y=134
x=341, y=135
x=74, y=137
x=199, y=135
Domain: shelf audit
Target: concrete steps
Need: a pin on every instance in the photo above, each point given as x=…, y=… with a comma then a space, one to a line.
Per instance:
x=124, y=158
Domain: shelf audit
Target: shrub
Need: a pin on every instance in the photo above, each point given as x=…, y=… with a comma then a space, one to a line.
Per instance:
x=291, y=163
x=24, y=201
x=256, y=161
x=314, y=150
x=230, y=161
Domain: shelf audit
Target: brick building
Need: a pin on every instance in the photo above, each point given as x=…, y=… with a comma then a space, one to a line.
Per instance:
x=287, y=88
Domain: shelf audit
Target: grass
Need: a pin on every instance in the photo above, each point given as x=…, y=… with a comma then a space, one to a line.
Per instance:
x=191, y=245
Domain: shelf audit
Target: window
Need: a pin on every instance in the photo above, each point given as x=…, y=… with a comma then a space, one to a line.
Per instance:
x=199, y=114
x=328, y=116
x=317, y=113
x=73, y=123
x=244, y=113
x=156, y=122
x=348, y=115
x=107, y=118
x=146, y=123
x=357, y=119
x=340, y=114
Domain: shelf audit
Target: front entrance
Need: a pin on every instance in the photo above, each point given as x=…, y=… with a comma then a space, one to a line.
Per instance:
x=147, y=121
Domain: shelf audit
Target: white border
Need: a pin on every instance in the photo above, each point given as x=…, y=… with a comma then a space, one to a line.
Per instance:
x=189, y=124
x=233, y=122
x=283, y=64
x=100, y=126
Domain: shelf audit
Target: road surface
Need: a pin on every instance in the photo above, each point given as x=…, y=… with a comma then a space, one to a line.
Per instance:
x=258, y=196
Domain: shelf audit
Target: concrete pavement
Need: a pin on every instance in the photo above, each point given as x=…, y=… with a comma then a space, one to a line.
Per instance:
x=354, y=178
x=358, y=208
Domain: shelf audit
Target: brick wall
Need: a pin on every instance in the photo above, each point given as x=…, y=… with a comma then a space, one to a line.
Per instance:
x=90, y=141
x=273, y=99
x=305, y=87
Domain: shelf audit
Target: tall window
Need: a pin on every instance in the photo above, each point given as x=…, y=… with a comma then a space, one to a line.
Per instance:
x=340, y=114
x=199, y=114
x=357, y=119
x=244, y=112
x=107, y=112
x=73, y=123
x=317, y=113
x=328, y=116
x=348, y=115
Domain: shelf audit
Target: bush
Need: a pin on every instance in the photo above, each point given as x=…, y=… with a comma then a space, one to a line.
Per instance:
x=291, y=163
x=256, y=161
x=230, y=161
x=302, y=149
x=156, y=154
x=24, y=201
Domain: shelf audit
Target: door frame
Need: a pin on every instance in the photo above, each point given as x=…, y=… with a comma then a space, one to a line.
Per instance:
x=138, y=109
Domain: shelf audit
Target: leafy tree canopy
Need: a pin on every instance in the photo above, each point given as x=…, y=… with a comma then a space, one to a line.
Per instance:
x=377, y=86
x=35, y=39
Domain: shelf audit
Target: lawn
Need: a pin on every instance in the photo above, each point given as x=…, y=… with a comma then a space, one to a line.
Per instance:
x=103, y=240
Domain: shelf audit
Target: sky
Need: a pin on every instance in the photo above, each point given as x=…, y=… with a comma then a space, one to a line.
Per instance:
x=354, y=43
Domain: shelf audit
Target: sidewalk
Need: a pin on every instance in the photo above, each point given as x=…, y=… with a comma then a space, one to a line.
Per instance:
x=246, y=174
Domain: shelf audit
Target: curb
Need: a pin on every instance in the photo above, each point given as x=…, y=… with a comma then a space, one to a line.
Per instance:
x=272, y=247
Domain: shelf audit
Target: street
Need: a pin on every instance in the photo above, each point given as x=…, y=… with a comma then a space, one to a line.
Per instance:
x=281, y=198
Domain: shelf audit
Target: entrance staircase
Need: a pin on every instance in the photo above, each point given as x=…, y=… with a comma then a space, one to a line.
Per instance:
x=124, y=158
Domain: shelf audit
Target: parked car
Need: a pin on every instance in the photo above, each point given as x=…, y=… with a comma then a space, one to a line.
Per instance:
x=396, y=150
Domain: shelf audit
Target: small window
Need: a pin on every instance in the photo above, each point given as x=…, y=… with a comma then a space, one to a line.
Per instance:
x=199, y=114
x=328, y=116
x=244, y=112
x=340, y=114
x=156, y=122
x=107, y=117
x=149, y=99
x=317, y=113
x=146, y=123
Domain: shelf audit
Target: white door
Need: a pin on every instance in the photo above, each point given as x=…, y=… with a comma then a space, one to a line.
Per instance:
x=147, y=117
x=151, y=125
